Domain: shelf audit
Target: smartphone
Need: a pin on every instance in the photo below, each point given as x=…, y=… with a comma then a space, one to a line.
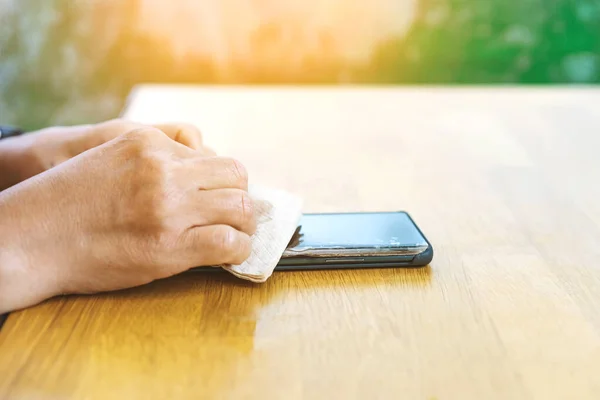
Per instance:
x=357, y=240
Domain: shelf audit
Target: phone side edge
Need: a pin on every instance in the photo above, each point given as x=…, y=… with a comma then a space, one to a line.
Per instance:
x=425, y=258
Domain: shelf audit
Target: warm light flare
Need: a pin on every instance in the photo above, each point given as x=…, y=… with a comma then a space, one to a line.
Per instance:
x=280, y=34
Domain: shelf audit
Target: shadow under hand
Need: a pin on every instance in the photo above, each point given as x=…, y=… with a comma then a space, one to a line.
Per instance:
x=216, y=304
x=205, y=329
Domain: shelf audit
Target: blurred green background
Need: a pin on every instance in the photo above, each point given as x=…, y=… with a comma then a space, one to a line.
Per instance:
x=68, y=62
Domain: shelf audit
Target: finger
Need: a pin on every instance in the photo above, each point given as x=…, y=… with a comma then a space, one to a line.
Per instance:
x=114, y=128
x=203, y=151
x=85, y=137
x=214, y=173
x=232, y=207
x=207, y=151
x=216, y=245
x=186, y=134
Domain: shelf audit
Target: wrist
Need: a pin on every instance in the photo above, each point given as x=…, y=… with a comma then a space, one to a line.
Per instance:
x=14, y=293
x=23, y=283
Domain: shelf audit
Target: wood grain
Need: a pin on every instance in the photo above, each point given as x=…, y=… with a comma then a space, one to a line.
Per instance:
x=502, y=181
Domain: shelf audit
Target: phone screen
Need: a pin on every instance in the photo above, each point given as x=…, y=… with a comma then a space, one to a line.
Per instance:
x=352, y=234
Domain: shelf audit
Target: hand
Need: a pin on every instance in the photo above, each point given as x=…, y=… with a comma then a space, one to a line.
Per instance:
x=138, y=208
x=39, y=151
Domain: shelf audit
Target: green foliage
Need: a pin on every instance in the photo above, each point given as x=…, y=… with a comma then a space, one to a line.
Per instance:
x=494, y=42
x=79, y=65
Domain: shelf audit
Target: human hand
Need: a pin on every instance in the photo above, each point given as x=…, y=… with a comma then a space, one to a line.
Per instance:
x=137, y=208
x=39, y=151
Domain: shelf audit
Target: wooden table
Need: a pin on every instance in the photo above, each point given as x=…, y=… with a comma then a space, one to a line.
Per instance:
x=505, y=182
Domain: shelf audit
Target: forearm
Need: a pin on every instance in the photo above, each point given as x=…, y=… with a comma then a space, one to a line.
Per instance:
x=17, y=161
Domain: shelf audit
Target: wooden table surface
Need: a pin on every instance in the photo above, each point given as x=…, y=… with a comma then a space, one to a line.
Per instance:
x=504, y=182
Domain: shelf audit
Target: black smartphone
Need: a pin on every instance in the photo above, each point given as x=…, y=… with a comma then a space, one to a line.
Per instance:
x=357, y=240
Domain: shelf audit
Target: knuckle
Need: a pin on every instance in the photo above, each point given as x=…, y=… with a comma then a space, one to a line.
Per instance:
x=238, y=171
x=121, y=124
x=230, y=246
x=184, y=127
x=225, y=239
x=246, y=204
x=208, y=152
x=246, y=207
x=106, y=131
x=148, y=168
x=244, y=249
x=183, y=133
x=143, y=135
